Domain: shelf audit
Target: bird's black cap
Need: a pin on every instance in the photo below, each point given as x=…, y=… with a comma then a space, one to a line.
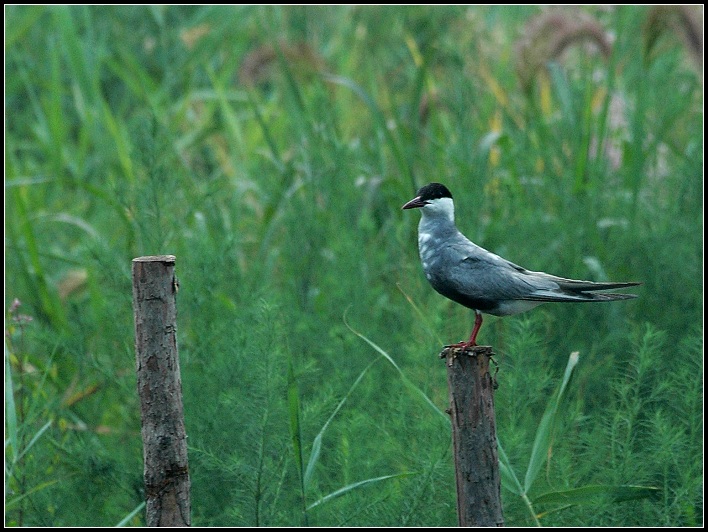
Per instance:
x=427, y=194
x=433, y=191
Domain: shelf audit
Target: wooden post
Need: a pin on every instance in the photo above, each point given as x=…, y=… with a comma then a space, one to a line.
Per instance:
x=474, y=438
x=160, y=389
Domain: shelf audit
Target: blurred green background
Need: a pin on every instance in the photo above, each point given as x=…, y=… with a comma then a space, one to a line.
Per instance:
x=270, y=149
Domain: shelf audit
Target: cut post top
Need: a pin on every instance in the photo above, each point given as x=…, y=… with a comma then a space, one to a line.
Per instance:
x=156, y=258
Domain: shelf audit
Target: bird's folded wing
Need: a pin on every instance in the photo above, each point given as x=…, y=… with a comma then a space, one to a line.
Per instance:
x=484, y=275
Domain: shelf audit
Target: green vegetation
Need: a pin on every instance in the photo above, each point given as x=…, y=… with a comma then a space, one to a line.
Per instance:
x=270, y=150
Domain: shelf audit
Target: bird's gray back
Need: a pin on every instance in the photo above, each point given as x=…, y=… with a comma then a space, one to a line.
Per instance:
x=469, y=274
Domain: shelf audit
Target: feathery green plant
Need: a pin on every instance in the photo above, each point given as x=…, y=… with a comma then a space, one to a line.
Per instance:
x=270, y=149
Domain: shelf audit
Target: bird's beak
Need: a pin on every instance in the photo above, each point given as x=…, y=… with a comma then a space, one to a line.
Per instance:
x=415, y=203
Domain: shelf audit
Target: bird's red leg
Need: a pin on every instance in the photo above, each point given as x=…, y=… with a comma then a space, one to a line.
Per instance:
x=473, y=337
x=477, y=325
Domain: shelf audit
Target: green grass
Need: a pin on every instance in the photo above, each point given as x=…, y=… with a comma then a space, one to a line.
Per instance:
x=270, y=150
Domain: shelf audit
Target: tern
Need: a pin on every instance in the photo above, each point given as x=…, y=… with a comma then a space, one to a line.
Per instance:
x=470, y=275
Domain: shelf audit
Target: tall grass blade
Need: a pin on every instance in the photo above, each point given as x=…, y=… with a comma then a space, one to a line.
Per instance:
x=509, y=479
x=11, y=503
x=10, y=412
x=317, y=442
x=19, y=21
x=129, y=69
x=296, y=433
x=34, y=272
x=511, y=482
x=56, y=132
x=405, y=379
x=564, y=92
x=121, y=142
x=233, y=124
x=422, y=315
x=267, y=135
x=34, y=439
x=132, y=514
x=355, y=485
x=381, y=122
x=77, y=53
x=539, y=452
x=596, y=494
x=293, y=86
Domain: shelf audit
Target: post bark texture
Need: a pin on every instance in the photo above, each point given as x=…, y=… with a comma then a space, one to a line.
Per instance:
x=471, y=388
x=166, y=469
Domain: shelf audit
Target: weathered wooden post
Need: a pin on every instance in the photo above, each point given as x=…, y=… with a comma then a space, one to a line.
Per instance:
x=160, y=389
x=474, y=439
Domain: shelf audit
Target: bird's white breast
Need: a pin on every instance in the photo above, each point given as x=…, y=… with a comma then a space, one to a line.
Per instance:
x=426, y=248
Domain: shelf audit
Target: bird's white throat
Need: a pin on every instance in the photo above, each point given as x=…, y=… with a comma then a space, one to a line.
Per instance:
x=440, y=208
x=437, y=220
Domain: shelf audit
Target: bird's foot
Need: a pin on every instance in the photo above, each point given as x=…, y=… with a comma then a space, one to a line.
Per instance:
x=461, y=345
x=465, y=347
x=451, y=352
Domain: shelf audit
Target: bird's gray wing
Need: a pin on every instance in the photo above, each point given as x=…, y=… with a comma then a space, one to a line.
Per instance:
x=480, y=274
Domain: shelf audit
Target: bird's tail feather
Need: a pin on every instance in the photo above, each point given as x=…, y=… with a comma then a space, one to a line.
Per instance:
x=576, y=285
x=589, y=286
x=610, y=297
x=576, y=296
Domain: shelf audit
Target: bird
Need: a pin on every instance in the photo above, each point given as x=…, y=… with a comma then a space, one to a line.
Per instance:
x=480, y=280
